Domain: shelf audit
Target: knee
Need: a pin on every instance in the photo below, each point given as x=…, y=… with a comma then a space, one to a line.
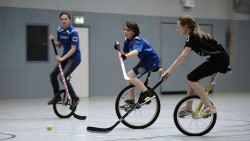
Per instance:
x=131, y=75
x=190, y=83
x=129, y=82
x=52, y=76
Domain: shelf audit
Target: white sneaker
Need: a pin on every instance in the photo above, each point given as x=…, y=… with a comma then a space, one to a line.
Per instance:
x=185, y=111
x=208, y=111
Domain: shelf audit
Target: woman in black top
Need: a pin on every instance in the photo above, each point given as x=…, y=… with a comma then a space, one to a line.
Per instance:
x=204, y=45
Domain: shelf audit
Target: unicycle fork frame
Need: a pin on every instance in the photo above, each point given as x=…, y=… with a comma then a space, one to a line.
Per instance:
x=196, y=112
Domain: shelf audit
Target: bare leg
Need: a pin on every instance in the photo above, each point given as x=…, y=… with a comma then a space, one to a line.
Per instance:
x=135, y=82
x=190, y=91
x=131, y=92
x=199, y=89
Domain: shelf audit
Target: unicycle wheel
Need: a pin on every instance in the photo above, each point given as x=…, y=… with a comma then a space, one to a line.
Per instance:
x=142, y=116
x=61, y=105
x=189, y=124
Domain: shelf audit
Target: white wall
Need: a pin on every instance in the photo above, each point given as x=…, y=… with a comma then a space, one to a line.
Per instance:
x=208, y=9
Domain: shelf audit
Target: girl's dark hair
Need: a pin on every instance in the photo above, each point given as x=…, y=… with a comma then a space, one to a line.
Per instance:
x=191, y=24
x=132, y=25
x=64, y=13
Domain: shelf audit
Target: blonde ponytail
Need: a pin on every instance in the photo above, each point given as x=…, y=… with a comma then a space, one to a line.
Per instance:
x=191, y=24
x=200, y=33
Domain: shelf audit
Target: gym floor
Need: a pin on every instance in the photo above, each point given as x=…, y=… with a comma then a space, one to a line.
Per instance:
x=22, y=120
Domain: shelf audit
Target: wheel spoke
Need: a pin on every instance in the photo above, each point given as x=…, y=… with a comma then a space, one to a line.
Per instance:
x=190, y=125
x=142, y=116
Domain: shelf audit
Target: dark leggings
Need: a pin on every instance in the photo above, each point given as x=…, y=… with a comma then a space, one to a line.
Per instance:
x=68, y=67
x=214, y=64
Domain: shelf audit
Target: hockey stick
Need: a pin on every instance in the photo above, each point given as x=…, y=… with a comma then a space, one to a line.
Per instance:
x=123, y=67
x=78, y=116
x=109, y=129
x=65, y=85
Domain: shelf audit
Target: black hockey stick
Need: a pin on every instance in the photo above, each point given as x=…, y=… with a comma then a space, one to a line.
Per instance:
x=78, y=116
x=65, y=85
x=109, y=129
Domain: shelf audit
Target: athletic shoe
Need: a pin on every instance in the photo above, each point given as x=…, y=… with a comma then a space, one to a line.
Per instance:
x=128, y=105
x=59, y=99
x=185, y=111
x=146, y=97
x=208, y=111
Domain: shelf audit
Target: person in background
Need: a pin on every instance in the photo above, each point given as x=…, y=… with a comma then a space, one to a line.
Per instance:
x=67, y=37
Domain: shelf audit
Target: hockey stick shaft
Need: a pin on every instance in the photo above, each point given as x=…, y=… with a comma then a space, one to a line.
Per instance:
x=61, y=72
x=65, y=84
x=123, y=67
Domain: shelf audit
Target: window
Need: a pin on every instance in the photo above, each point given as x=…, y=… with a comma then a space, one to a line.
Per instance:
x=37, y=43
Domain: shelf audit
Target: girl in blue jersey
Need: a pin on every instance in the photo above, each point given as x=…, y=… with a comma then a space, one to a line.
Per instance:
x=204, y=45
x=67, y=37
x=135, y=45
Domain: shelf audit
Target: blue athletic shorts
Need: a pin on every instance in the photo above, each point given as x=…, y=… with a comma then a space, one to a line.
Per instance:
x=142, y=68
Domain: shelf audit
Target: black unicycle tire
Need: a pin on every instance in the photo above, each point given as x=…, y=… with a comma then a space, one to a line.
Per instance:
x=61, y=109
x=152, y=120
x=186, y=131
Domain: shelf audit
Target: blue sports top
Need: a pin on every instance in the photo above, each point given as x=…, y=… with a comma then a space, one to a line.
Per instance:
x=67, y=38
x=147, y=54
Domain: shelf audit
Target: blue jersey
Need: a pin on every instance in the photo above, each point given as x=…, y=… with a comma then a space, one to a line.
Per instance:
x=67, y=38
x=146, y=54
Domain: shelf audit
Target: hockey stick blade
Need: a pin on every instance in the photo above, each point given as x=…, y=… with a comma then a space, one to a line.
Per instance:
x=79, y=117
x=107, y=130
x=102, y=130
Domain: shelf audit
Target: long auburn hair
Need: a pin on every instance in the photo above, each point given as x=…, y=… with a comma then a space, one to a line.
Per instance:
x=191, y=24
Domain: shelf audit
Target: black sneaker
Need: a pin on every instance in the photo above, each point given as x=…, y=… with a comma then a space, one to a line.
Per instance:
x=128, y=105
x=74, y=102
x=59, y=99
x=146, y=97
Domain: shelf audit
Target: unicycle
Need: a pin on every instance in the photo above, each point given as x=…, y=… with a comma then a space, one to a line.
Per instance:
x=143, y=115
x=62, y=106
x=194, y=124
